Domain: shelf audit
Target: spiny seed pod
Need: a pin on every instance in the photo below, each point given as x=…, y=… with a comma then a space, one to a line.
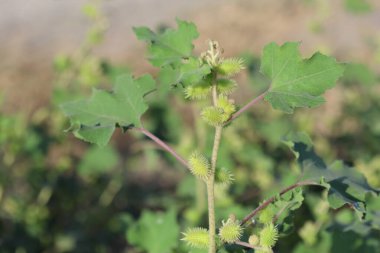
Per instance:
x=196, y=237
x=230, y=231
x=199, y=165
x=266, y=215
x=227, y=105
x=198, y=91
x=226, y=86
x=214, y=116
x=230, y=67
x=253, y=240
x=223, y=176
x=268, y=236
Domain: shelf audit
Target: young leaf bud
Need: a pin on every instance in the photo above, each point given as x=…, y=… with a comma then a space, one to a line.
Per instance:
x=198, y=91
x=266, y=215
x=199, y=165
x=223, y=176
x=230, y=67
x=214, y=116
x=253, y=240
x=230, y=231
x=196, y=237
x=226, y=86
x=268, y=236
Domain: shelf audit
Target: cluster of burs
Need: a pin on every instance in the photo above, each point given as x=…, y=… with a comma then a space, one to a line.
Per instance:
x=218, y=85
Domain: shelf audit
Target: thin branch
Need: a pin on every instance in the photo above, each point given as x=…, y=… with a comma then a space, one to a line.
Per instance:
x=163, y=145
x=244, y=108
x=245, y=244
x=270, y=200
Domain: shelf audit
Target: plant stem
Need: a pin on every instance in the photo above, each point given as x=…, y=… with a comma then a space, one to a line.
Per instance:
x=163, y=145
x=270, y=200
x=245, y=244
x=244, y=108
x=211, y=180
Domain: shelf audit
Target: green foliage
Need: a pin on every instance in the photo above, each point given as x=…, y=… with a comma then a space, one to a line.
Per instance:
x=359, y=74
x=98, y=160
x=95, y=120
x=358, y=6
x=297, y=82
x=172, y=52
x=259, y=167
x=170, y=47
x=155, y=232
x=345, y=184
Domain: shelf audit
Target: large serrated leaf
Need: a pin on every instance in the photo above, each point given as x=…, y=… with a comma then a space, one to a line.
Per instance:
x=297, y=82
x=95, y=119
x=170, y=47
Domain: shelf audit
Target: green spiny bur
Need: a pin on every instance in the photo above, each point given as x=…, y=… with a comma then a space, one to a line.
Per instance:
x=268, y=236
x=226, y=86
x=196, y=237
x=199, y=165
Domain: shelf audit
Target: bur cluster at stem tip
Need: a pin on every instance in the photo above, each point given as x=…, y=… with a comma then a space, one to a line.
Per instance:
x=230, y=67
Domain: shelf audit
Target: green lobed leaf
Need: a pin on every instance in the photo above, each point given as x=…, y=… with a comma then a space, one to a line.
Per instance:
x=345, y=184
x=297, y=82
x=171, y=46
x=95, y=119
x=155, y=232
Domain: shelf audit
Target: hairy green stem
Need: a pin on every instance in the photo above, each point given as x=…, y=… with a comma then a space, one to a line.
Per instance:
x=210, y=190
x=211, y=180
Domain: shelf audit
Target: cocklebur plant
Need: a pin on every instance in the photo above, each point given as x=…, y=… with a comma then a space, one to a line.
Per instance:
x=295, y=82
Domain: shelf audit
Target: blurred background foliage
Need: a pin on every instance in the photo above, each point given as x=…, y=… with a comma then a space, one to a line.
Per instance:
x=58, y=194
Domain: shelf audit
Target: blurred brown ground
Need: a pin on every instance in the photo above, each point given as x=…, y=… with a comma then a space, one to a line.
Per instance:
x=33, y=32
